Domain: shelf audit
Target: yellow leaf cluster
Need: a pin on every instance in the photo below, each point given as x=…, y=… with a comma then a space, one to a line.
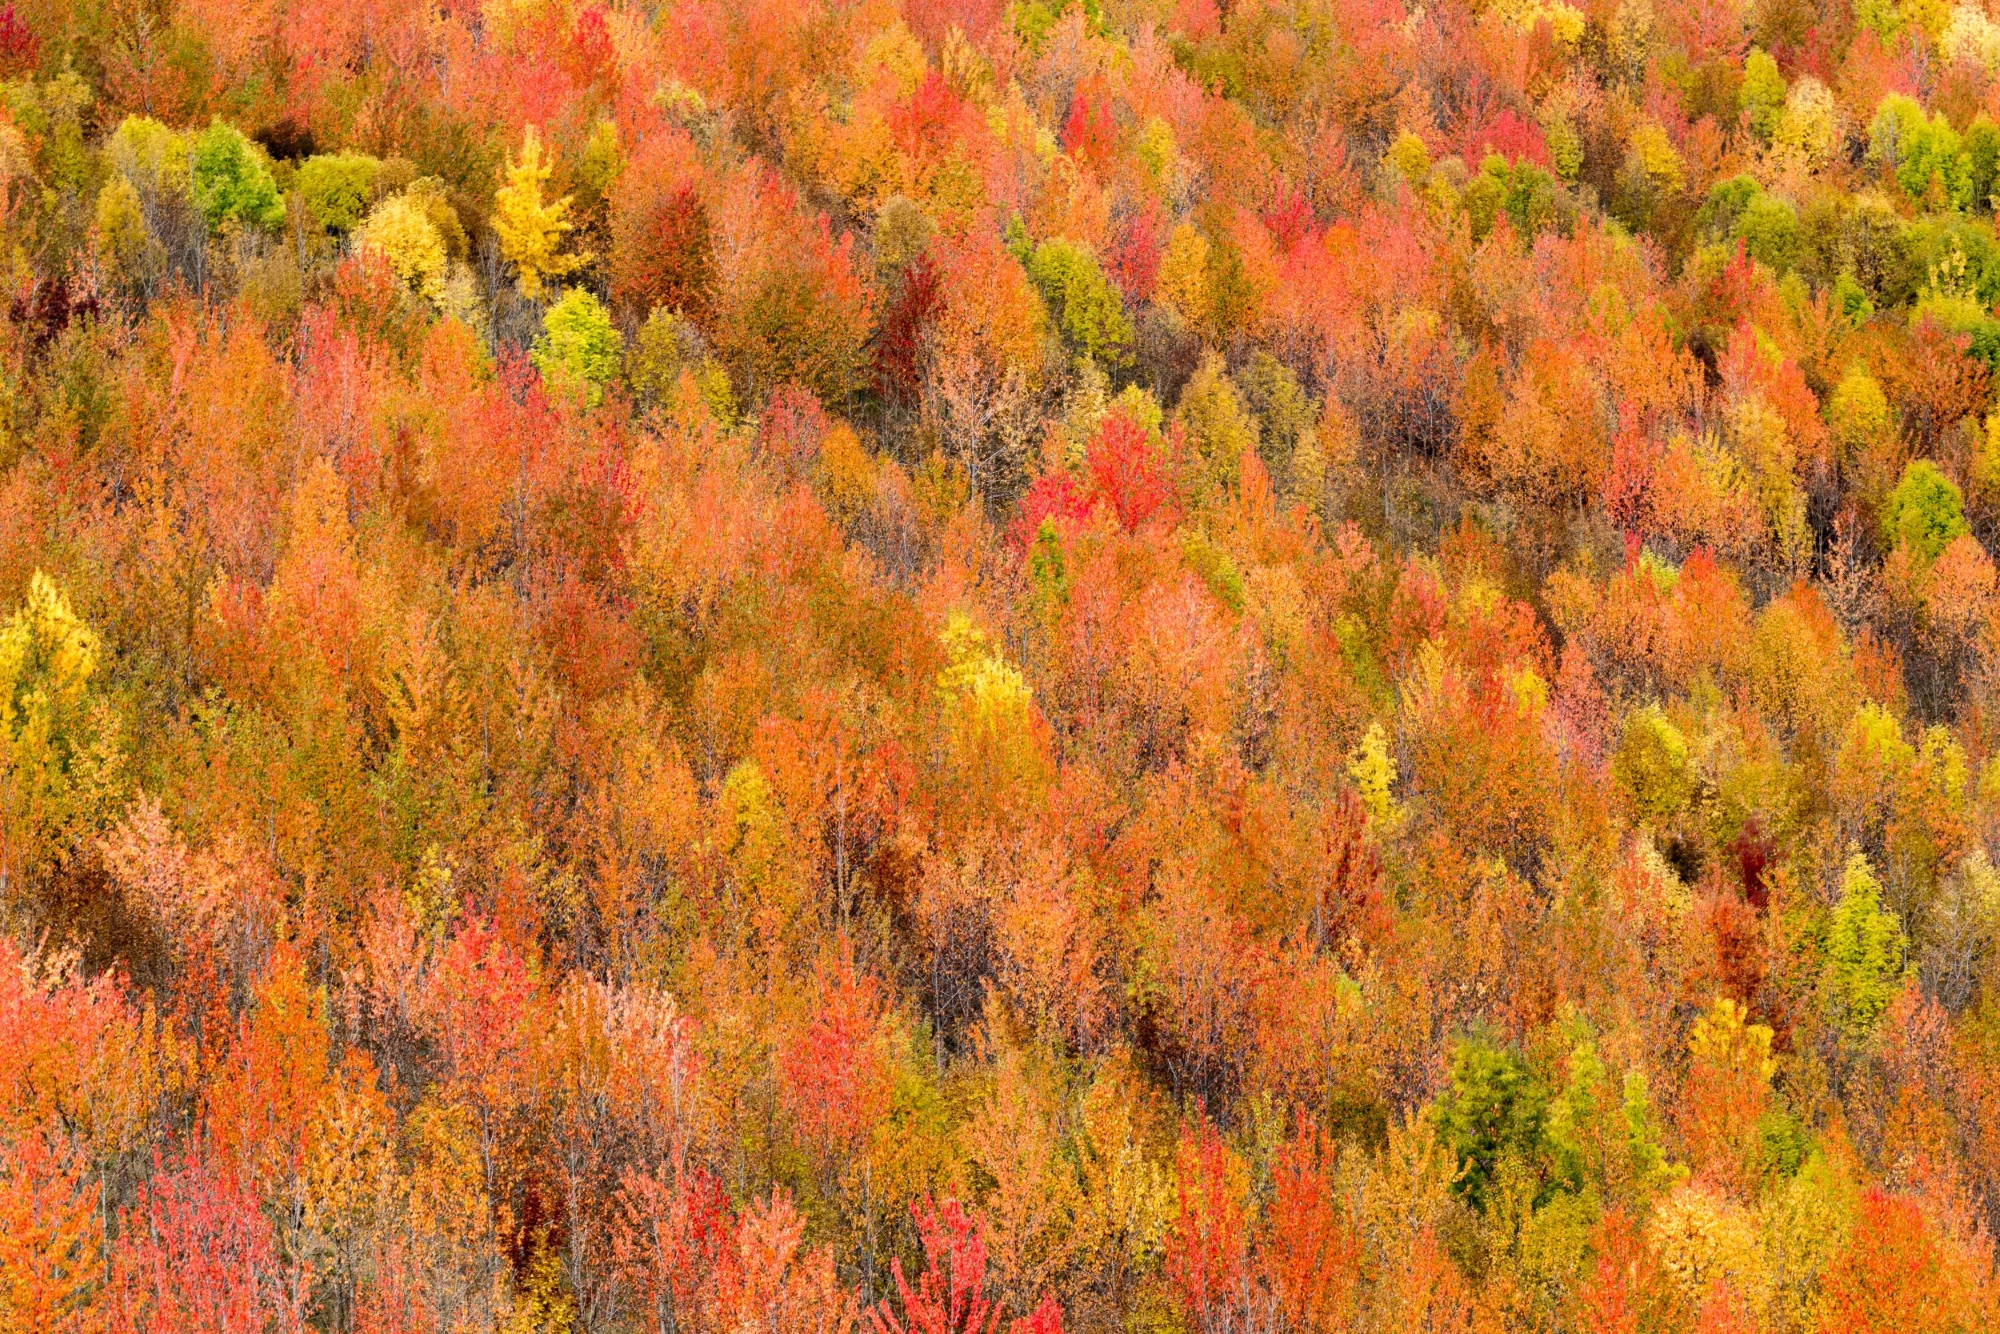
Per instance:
x=401, y=232
x=530, y=229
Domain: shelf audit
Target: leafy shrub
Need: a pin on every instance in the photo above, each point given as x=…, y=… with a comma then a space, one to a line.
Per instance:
x=401, y=232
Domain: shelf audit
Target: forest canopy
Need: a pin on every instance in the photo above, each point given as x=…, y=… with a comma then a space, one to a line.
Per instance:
x=944, y=666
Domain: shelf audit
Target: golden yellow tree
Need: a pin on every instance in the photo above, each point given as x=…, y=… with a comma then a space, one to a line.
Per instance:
x=530, y=230
x=58, y=752
x=399, y=231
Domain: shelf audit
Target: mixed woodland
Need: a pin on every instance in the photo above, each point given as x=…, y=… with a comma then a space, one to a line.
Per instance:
x=957, y=666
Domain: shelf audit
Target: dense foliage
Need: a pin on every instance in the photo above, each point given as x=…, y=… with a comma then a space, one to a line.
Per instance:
x=933, y=666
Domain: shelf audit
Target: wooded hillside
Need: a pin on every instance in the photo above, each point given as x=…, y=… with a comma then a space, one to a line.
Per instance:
x=942, y=667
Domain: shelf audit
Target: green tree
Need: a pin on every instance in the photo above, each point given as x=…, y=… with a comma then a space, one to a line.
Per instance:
x=1926, y=510
x=1287, y=415
x=149, y=155
x=1982, y=150
x=1931, y=164
x=1762, y=93
x=1896, y=119
x=1865, y=951
x=578, y=345
x=1493, y=1111
x=335, y=188
x=1086, y=305
x=1725, y=204
x=1768, y=227
x=1935, y=167
x=231, y=181
x=1218, y=424
x=1532, y=199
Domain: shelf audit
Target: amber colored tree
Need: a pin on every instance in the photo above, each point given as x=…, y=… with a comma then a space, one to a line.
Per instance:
x=983, y=357
x=795, y=305
x=671, y=1244
x=261, y=1102
x=1308, y=1251
x=51, y=1240
x=1030, y=1212
x=775, y=1286
x=1727, y=1088
x=1424, y=1289
x=834, y=1077
x=1624, y=1289
x=263, y=1111
x=1127, y=472
x=662, y=240
x=475, y=1005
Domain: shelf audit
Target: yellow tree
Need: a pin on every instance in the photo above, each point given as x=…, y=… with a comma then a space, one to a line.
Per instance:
x=400, y=232
x=1124, y=1200
x=531, y=231
x=56, y=758
x=350, y=1176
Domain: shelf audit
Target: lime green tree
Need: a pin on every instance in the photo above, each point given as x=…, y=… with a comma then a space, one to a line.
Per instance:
x=335, y=188
x=1865, y=952
x=1930, y=162
x=1763, y=93
x=231, y=181
x=1926, y=510
x=579, y=347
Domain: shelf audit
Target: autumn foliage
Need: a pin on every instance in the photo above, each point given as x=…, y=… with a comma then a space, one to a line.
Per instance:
x=956, y=667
